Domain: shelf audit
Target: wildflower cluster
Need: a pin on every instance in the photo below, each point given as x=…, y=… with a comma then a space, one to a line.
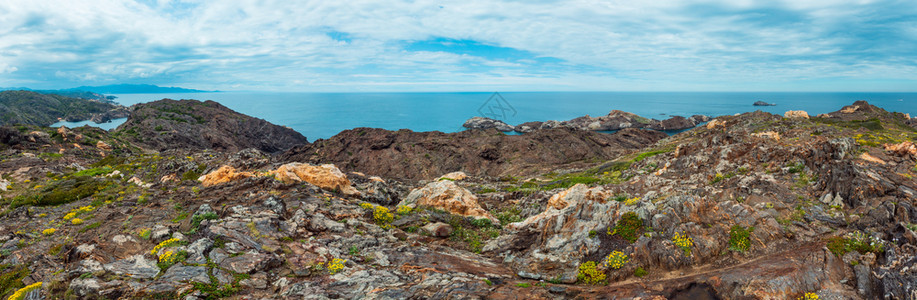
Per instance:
x=382, y=216
x=76, y=221
x=855, y=241
x=21, y=293
x=809, y=296
x=590, y=274
x=165, y=244
x=49, y=231
x=78, y=211
x=336, y=265
x=629, y=227
x=631, y=201
x=740, y=238
x=403, y=209
x=684, y=242
x=365, y=205
x=616, y=259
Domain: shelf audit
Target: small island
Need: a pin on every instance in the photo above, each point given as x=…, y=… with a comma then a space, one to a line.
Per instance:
x=762, y=103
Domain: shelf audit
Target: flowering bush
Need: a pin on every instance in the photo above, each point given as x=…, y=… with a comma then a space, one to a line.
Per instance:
x=365, y=205
x=76, y=221
x=616, y=259
x=21, y=293
x=49, y=231
x=168, y=258
x=684, y=242
x=740, y=238
x=590, y=274
x=382, y=216
x=629, y=227
x=336, y=265
x=165, y=244
x=403, y=209
x=809, y=296
x=631, y=201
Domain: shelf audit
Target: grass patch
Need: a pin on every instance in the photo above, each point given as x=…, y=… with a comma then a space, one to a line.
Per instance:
x=740, y=238
x=629, y=227
x=11, y=278
x=90, y=227
x=61, y=192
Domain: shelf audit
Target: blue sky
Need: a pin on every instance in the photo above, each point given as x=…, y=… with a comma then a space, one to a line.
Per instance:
x=494, y=45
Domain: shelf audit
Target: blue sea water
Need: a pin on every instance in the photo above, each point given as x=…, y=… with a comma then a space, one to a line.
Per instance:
x=322, y=115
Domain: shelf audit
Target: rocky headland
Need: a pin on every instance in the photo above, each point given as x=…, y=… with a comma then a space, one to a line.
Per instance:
x=750, y=206
x=32, y=108
x=615, y=120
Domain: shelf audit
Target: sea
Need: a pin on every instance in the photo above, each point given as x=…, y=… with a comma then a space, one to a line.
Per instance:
x=322, y=115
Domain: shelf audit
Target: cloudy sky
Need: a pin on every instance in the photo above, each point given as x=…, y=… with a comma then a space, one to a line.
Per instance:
x=465, y=45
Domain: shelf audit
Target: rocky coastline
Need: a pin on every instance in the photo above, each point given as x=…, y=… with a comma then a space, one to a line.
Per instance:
x=191, y=200
x=615, y=120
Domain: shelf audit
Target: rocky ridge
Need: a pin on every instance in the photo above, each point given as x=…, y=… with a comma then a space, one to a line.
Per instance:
x=751, y=206
x=615, y=120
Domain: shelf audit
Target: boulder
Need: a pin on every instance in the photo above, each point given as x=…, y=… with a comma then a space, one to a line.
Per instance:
x=903, y=149
x=437, y=229
x=223, y=175
x=448, y=196
x=769, y=134
x=487, y=123
x=796, y=114
x=136, y=266
x=325, y=176
x=454, y=176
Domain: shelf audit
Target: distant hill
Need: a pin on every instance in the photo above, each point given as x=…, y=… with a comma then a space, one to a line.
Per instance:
x=136, y=89
x=32, y=108
x=73, y=93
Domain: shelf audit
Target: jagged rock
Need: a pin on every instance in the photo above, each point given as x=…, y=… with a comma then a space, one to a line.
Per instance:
x=454, y=176
x=182, y=273
x=768, y=134
x=437, y=229
x=320, y=223
x=250, y=262
x=275, y=205
x=326, y=176
x=487, y=123
x=136, y=266
x=160, y=232
x=197, y=250
x=103, y=146
x=90, y=288
x=223, y=175
x=204, y=209
x=448, y=196
x=903, y=149
x=529, y=127
x=799, y=114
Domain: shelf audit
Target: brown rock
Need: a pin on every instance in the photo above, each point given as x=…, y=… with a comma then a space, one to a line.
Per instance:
x=103, y=146
x=903, y=149
x=770, y=134
x=326, y=176
x=867, y=157
x=222, y=175
x=438, y=229
x=454, y=176
x=448, y=196
x=796, y=114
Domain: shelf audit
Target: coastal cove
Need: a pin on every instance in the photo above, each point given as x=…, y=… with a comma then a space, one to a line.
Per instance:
x=322, y=115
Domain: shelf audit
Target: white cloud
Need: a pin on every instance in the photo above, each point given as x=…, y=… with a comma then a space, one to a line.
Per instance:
x=282, y=44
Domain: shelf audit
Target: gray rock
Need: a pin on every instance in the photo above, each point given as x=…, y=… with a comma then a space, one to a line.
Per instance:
x=85, y=287
x=275, y=205
x=198, y=249
x=320, y=222
x=864, y=279
x=136, y=266
x=182, y=273
x=250, y=262
x=487, y=123
x=203, y=210
x=257, y=281
x=160, y=232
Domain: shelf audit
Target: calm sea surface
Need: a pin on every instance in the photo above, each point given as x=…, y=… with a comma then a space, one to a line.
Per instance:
x=322, y=115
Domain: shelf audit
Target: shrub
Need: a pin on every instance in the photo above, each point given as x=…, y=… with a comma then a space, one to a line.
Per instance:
x=48, y=231
x=336, y=265
x=684, y=242
x=21, y=293
x=616, y=259
x=590, y=274
x=366, y=206
x=403, y=210
x=168, y=258
x=76, y=221
x=165, y=244
x=61, y=192
x=481, y=223
x=640, y=272
x=629, y=227
x=145, y=234
x=808, y=296
x=856, y=241
x=631, y=201
x=382, y=216
x=739, y=238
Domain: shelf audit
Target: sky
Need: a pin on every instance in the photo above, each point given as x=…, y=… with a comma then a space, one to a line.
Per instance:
x=466, y=45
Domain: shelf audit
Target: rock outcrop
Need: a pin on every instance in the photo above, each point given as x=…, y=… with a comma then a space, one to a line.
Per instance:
x=487, y=123
x=190, y=124
x=448, y=196
x=325, y=176
x=617, y=120
x=796, y=114
x=424, y=155
x=223, y=175
x=31, y=108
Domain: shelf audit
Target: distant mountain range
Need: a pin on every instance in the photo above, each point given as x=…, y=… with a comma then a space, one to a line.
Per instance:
x=93, y=92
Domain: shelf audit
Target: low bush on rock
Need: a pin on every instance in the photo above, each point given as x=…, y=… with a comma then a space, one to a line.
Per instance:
x=589, y=273
x=629, y=227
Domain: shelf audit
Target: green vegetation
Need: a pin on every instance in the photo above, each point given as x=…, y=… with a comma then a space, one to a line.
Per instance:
x=197, y=219
x=508, y=215
x=740, y=238
x=857, y=241
x=60, y=192
x=629, y=227
x=524, y=285
x=640, y=272
x=90, y=227
x=11, y=278
x=616, y=259
x=590, y=274
x=31, y=108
